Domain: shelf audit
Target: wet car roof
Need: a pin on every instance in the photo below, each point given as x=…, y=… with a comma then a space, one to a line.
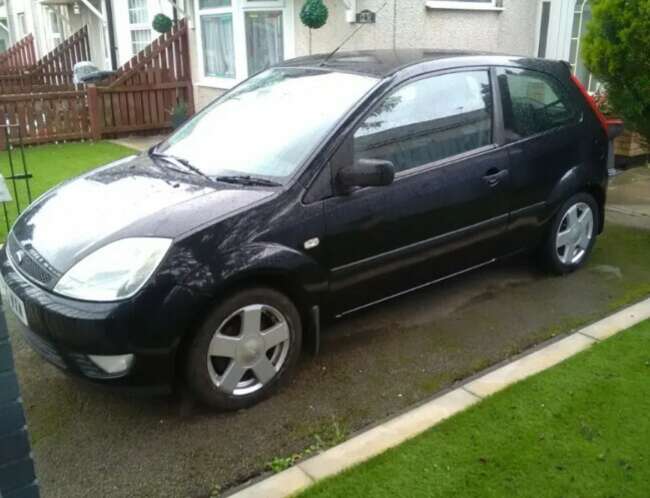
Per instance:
x=384, y=63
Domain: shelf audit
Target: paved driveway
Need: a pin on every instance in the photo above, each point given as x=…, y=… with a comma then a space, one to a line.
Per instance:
x=92, y=442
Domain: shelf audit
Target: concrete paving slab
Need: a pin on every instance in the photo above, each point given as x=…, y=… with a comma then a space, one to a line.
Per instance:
x=285, y=483
x=618, y=321
x=140, y=143
x=416, y=421
x=350, y=453
x=529, y=365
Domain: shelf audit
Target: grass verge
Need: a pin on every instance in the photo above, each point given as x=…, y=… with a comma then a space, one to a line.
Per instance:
x=580, y=429
x=52, y=164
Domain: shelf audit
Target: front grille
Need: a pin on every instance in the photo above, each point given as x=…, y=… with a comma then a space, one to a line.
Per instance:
x=44, y=348
x=28, y=264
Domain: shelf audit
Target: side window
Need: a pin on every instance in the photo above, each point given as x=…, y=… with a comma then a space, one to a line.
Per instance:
x=428, y=120
x=532, y=103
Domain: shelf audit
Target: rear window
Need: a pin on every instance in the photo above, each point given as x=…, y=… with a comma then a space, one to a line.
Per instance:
x=533, y=103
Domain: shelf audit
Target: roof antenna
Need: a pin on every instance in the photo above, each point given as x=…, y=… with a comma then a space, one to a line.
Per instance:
x=348, y=38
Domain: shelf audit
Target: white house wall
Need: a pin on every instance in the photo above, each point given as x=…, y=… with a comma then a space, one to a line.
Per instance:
x=409, y=24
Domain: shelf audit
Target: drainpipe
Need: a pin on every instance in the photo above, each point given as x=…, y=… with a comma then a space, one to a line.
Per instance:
x=112, y=49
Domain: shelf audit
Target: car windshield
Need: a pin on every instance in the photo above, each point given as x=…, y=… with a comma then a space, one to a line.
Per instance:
x=269, y=125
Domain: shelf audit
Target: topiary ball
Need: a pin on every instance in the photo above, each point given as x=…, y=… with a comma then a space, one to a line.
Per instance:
x=314, y=14
x=162, y=23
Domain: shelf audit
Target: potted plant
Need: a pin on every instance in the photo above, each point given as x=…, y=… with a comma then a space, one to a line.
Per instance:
x=179, y=114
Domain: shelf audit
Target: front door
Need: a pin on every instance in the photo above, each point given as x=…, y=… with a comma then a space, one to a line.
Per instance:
x=446, y=209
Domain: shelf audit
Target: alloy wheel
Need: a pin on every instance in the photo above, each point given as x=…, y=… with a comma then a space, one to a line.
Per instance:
x=248, y=349
x=574, y=234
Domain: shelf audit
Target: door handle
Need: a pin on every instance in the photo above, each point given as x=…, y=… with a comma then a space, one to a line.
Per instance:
x=494, y=176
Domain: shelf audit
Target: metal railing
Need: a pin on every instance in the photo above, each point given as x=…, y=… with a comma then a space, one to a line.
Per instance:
x=15, y=189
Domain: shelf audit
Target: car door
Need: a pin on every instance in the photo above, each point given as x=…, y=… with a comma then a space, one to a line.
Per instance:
x=446, y=208
x=543, y=133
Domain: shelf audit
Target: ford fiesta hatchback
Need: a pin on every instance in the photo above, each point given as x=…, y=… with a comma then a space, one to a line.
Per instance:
x=308, y=192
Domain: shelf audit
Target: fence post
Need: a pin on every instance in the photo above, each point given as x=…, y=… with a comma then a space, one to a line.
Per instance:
x=94, y=112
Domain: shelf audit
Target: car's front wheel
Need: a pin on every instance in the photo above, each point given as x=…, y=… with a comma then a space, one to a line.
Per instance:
x=571, y=235
x=244, y=349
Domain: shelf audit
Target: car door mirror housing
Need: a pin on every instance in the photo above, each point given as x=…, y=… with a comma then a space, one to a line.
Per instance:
x=367, y=173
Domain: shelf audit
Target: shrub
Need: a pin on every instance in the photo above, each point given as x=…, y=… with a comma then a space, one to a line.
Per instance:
x=615, y=50
x=314, y=14
x=162, y=23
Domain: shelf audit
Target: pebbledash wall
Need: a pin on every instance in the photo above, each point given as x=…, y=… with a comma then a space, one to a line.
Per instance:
x=512, y=28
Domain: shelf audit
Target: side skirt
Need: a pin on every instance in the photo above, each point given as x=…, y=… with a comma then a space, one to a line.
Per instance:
x=418, y=287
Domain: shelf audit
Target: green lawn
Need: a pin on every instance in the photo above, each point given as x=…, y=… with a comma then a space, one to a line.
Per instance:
x=581, y=429
x=53, y=163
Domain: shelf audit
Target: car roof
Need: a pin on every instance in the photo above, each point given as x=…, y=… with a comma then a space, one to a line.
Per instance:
x=385, y=63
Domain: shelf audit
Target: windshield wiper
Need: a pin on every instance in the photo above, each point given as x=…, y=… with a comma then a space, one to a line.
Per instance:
x=183, y=162
x=248, y=180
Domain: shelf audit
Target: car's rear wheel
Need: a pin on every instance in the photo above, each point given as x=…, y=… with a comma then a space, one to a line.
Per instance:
x=244, y=349
x=571, y=235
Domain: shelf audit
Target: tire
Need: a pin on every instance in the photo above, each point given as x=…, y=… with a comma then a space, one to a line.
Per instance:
x=230, y=363
x=567, y=245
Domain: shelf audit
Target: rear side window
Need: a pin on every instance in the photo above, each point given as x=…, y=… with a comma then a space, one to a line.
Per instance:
x=533, y=103
x=428, y=120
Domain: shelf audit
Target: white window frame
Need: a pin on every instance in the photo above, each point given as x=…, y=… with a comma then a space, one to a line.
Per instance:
x=238, y=9
x=56, y=37
x=579, y=10
x=21, y=22
x=138, y=26
x=492, y=5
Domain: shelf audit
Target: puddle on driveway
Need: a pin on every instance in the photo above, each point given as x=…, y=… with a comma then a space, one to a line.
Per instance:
x=90, y=442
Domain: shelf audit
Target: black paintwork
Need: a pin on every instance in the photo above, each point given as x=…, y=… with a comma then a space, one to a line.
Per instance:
x=375, y=242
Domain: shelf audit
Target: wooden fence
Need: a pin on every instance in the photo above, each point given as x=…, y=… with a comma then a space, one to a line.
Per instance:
x=144, y=91
x=47, y=117
x=140, y=97
x=53, y=72
x=55, y=69
x=19, y=56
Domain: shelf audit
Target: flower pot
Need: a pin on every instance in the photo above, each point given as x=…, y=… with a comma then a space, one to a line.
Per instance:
x=630, y=144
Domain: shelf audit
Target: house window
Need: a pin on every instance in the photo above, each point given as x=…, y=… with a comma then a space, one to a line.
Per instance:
x=22, y=24
x=140, y=38
x=56, y=26
x=264, y=41
x=139, y=25
x=218, y=45
x=138, y=12
x=581, y=16
x=239, y=38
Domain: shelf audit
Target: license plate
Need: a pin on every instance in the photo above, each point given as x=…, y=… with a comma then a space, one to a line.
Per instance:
x=13, y=301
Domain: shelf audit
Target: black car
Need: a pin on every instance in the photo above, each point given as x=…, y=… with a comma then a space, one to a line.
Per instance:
x=312, y=190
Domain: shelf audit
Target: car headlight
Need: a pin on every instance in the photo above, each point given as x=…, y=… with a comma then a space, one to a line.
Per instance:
x=114, y=272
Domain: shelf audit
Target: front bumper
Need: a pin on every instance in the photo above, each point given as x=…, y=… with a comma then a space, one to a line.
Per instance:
x=67, y=332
